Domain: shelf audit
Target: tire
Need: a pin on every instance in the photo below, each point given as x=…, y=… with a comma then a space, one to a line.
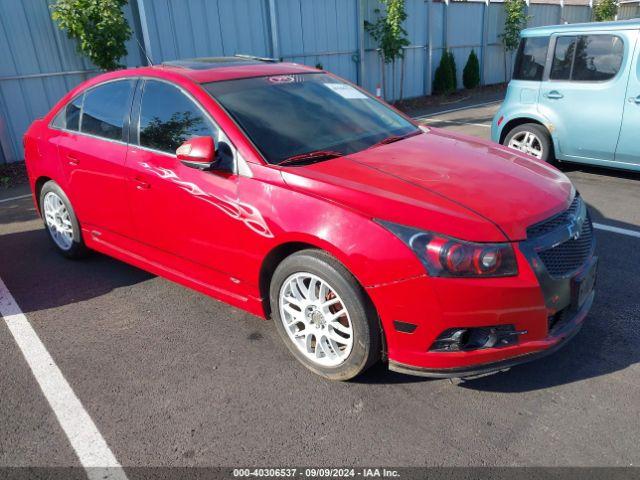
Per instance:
x=68, y=243
x=319, y=351
x=542, y=138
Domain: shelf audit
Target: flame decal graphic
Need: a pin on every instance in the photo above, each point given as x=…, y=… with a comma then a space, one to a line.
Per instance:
x=243, y=212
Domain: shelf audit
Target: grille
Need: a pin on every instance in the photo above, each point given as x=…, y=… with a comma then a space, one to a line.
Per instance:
x=552, y=223
x=570, y=255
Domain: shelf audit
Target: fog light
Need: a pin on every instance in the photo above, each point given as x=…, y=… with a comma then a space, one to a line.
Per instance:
x=476, y=338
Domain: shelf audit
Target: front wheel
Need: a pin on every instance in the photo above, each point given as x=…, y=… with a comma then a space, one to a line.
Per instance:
x=532, y=139
x=323, y=316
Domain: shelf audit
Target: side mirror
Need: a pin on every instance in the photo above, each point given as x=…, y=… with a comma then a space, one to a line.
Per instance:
x=201, y=153
x=197, y=152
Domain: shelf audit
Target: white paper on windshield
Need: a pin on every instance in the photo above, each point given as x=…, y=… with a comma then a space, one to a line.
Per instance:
x=345, y=91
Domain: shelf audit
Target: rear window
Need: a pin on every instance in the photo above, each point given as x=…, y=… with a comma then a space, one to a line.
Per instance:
x=105, y=108
x=69, y=116
x=531, y=58
x=587, y=58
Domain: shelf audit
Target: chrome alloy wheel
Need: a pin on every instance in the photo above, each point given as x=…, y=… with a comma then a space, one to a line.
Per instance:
x=58, y=221
x=316, y=319
x=527, y=142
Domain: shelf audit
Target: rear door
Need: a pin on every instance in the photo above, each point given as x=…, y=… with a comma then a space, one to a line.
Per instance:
x=628, y=150
x=583, y=91
x=93, y=148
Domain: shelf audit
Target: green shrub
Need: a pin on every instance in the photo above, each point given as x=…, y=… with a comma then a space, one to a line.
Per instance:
x=454, y=70
x=442, y=77
x=471, y=72
x=445, y=80
x=605, y=10
x=99, y=26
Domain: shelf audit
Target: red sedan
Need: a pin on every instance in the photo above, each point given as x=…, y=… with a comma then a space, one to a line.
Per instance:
x=292, y=194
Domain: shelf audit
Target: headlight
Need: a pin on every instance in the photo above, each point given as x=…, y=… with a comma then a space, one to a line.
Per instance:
x=444, y=256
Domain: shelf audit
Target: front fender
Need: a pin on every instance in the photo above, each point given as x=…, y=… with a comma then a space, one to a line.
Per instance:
x=371, y=253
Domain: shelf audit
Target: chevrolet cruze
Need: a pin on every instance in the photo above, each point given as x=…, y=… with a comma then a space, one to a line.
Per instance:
x=292, y=194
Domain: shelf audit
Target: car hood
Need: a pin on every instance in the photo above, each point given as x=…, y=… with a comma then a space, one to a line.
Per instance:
x=442, y=181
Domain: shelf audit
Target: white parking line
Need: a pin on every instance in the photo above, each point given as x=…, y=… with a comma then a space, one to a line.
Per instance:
x=92, y=450
x=11, y=199
x=622, y=231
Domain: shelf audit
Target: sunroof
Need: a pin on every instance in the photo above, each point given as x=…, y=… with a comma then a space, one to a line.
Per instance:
x=206, y=63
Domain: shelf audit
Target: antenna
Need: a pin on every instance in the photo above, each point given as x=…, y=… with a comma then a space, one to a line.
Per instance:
x=143, y=51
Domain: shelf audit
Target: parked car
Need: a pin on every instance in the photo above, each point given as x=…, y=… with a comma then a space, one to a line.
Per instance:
x=290, y=193
x=575, y=95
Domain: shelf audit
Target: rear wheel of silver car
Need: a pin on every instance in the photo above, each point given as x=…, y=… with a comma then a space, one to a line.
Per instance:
x=532, y=139
x=323, y=315
x=60, y=221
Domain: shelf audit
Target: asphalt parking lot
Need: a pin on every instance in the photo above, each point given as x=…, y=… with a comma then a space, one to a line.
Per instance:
x=171, y=377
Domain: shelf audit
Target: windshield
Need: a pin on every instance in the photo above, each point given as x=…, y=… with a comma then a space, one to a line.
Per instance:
x=290, y=115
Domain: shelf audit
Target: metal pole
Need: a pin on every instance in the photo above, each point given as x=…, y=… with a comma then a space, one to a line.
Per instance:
x=429, y=65
x=445, y=26
x=361, y=66
x=485, y=40
x=273, y=23
x=145, y=32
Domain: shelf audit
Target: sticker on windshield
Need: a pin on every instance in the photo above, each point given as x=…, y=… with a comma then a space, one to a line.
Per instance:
x=280, y=79
x=345, y=91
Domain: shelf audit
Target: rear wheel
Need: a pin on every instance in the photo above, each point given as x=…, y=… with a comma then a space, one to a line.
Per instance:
x=323, y=316
x=532, y=139
x=60, y=221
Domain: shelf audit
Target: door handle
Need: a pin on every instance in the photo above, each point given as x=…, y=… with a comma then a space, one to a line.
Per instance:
x=635, y=100
x=73, y=161
x=554, y=95
x=141, y=184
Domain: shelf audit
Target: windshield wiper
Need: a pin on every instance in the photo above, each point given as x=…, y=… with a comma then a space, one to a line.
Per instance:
x=395, y=138
x=310, y=157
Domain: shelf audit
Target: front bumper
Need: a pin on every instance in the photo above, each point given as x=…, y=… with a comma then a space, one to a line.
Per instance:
x=559, y=339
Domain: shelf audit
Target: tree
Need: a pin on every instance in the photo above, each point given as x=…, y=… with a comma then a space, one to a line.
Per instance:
x=471, y=72
x=99, y=26
x=445, y=80
x=515, y=20
x=173, y=132
x=605, y=10
x=391, y=37
x=454, y=70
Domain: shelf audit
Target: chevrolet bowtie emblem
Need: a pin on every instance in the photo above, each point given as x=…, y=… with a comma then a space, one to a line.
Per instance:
x=574, y=231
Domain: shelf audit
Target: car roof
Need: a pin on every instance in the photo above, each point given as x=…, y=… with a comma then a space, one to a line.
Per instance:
x=582, y=27
x=215, y=69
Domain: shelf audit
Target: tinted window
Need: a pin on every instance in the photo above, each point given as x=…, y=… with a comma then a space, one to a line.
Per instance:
x=563, y=58
x=289, y=115
x=105, y=108
x=598, y=57
x=168, y=118
x=531, y=58
x=69, y=116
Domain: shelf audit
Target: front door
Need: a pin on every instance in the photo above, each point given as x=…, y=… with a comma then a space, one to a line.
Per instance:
x=582, y=94
x=188, y=216
x=628, y=150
